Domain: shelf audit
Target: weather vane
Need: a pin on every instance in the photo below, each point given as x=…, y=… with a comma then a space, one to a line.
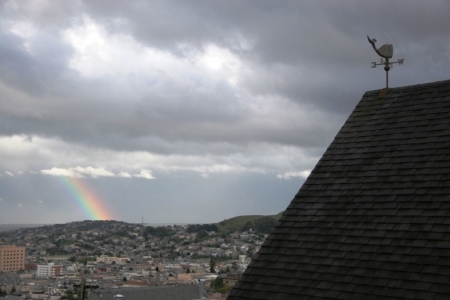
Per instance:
x=386, y=51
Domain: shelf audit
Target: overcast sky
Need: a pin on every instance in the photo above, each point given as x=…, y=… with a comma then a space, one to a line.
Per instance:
x=189, y=111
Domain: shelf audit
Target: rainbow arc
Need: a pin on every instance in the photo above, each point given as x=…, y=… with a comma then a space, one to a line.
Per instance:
x=92, y=206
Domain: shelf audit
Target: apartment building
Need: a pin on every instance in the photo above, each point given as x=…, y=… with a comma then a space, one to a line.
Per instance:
x=12, y=258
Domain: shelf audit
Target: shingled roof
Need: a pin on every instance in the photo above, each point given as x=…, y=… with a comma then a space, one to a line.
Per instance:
x=372, y=220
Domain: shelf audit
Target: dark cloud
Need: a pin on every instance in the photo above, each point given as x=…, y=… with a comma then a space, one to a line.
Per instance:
x=16, y=67
x=298, y=52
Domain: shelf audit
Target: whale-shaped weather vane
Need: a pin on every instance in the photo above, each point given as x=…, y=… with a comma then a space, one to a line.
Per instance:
x=386, y=51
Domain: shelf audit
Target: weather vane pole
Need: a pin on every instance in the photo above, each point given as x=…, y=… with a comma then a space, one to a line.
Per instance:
x=386, y=51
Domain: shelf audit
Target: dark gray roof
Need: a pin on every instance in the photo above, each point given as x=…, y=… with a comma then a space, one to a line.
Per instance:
x=179, y=292
x=13, y=297
x=10, y=278
x=372, y=220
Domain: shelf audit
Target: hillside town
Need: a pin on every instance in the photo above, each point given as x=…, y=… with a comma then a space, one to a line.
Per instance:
x=63, y=261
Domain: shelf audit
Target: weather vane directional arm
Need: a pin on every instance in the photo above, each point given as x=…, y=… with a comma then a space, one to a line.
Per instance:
x=386, y=51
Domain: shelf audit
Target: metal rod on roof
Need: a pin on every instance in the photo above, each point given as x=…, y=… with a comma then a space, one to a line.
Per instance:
x=387, y=68
x=387, y=79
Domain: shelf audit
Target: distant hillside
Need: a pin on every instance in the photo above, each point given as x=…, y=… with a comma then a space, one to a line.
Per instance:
x=237, y=223
x=77, y=226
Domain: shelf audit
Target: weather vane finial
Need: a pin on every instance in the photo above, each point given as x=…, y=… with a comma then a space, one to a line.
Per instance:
x=386, y=51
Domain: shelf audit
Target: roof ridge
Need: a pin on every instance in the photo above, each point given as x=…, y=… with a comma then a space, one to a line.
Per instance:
x=411, y=87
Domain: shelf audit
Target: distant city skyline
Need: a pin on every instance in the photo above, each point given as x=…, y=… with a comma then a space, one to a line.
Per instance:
x=188, y=112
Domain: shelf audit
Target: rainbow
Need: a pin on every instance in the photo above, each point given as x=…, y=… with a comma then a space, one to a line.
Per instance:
x=85, y=198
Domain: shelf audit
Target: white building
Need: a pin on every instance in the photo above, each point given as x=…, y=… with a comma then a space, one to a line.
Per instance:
x=49, y=270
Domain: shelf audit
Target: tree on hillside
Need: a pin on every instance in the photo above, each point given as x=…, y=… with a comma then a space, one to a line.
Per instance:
x=248, y=226
x=3, y=293
x=265, y=224
x=157, y=231
x=217, y=283
x=234, y=266
x=202, y=227
x=212, y=265
x=13, y=290
x=201, y=234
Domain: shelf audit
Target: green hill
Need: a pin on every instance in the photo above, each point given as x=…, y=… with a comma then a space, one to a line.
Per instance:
x=237, y=223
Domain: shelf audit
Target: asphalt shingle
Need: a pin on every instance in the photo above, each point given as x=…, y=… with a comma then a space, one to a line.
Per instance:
x=372, y=220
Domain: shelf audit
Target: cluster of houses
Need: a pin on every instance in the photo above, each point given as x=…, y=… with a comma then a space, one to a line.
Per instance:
x=116, y=255
x=64, y=241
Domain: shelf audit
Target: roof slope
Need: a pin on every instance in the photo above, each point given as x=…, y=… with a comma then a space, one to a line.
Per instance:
x=372, y=220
